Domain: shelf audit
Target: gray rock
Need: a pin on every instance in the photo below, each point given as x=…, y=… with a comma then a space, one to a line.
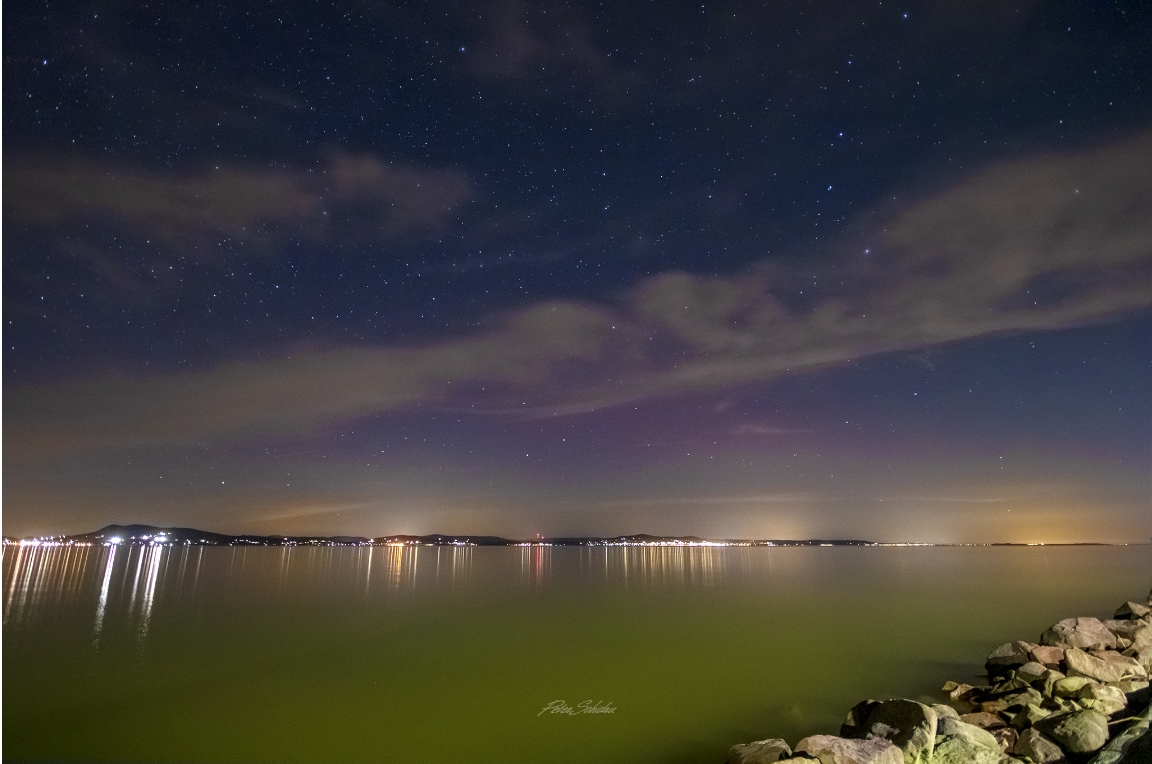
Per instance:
x=1010, y=654
x=1102, y=706
x=1080, y=662
x=1036, y=747
x=1021, y=699
x=1129, y=686
x=1105, y=698
x=948, y=727
x=960, y=750
x=1084, y=633
x=1142, y=655
x=759, y=752
x=1047, y=683
x=1070, y=686
x=985, y=719
x=1132, y=610
x=957, y=691
x=1078, y=732
x=1031, y=671
x=911, y=726
x=830, y=749
x=1049, y=656
x=944, y=712
x=1008, y=686
x=1130, y=664
x=1112, y=656
x=1006, y=737
x=1061, y=705
x=1125, y=629
x=1029, y=715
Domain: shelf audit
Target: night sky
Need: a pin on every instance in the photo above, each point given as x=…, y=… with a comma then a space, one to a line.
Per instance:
x=739, y=269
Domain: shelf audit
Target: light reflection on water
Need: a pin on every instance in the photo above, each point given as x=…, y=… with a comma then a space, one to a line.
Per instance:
x=109, y=562
x=127, y=583
x=45, y=578
x=131, y=581
x=144, y=592
x=39, y=575
x=535, y=565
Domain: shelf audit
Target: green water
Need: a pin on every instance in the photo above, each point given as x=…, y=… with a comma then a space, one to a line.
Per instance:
x=442, y=654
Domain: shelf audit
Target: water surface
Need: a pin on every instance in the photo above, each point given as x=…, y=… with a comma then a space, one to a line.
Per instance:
x=230, y=654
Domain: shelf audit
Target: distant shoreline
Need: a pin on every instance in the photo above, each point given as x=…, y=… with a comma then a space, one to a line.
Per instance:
x=150, y=535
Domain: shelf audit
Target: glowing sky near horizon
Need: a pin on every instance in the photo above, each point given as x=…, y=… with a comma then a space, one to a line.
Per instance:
x=734, y=270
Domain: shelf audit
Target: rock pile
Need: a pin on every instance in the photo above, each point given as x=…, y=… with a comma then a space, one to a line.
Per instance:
x=1045, y=702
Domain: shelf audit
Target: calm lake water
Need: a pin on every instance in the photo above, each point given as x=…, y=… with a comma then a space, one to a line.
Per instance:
x=444, y=654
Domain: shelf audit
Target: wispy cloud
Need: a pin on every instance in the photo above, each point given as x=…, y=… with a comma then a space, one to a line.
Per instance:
x=765, y=429
x=1050, y=242
x=700, y=501
x=521, y=41
x=947, y=499
x=188, y=213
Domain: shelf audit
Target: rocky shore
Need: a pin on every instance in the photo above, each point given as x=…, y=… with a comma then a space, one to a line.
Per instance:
x=1059, y=700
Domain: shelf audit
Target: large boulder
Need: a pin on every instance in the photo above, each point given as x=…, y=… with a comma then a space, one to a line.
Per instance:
x=911, y=726
x=949, y=727
x=944, y=712
x=1125, y=629
x=1129, y=663
x=829, y=749
x=1080, y=662
x=1103, y=698
x=961, y=750
x=759, y=752
x=1132, y=611
x=1084, y=633
x=1077, y=732
x=1033, y=745
x=1070, y=686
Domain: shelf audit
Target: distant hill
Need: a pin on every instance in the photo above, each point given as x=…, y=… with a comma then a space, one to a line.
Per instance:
x=139, y=533
x=149, y=534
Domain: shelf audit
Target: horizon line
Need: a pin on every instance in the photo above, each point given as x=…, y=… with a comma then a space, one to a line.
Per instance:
x=468, y=539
